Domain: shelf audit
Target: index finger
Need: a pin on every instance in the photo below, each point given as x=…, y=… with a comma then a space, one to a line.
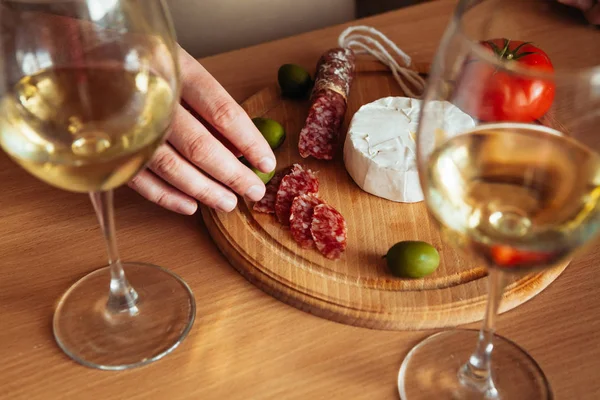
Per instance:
x=205, y=95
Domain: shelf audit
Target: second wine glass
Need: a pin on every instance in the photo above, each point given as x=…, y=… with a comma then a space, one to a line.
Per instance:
x=519, y=190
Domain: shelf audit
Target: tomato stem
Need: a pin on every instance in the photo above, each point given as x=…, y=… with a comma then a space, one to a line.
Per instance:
x=507, y=54
x=505, y=49
x=516, y=50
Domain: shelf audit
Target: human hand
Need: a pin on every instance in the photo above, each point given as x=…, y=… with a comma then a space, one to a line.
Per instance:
x=590, y=8
x=196, y=164
x=199, y=160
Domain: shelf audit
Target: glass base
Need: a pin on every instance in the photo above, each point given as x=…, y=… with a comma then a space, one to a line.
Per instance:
x=165, y=313
x=430, y=370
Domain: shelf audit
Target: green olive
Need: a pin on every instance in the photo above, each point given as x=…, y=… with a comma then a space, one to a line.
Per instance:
x=263, y=177
x=412, y=259
x=272, y=131
x=294, y=81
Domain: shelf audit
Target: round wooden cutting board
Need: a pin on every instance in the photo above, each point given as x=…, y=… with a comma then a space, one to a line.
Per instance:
x=357, y=289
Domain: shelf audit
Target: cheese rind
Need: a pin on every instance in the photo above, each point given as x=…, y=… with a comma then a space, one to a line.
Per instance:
x=380, y=151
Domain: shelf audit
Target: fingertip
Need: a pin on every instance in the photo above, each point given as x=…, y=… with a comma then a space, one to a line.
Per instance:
x=256, y=192
x=157, y=191
x=267, y=164
x=227, y=204
x=187, y=207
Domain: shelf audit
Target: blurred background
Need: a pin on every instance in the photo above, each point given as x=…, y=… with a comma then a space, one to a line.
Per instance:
x=207, y=27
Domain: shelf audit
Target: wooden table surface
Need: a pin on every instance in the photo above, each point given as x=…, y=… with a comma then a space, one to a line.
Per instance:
x=245, y=344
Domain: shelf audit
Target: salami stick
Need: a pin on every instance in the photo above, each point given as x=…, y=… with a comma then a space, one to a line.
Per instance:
x=320, y=136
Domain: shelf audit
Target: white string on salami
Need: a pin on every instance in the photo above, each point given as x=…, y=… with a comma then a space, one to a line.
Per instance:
x=360, y=39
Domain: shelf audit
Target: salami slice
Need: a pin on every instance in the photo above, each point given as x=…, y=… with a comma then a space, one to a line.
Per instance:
x=296, y=183
x=301, y=219
x=329, y=231
x=267, y=203
x=320, y=136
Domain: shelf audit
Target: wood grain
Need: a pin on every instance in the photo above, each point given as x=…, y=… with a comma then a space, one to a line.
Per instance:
x=357, y=289
x=245, y=344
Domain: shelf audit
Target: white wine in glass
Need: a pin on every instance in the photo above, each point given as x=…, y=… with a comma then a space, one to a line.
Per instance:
x=59, y=135
x=89, y=93
x=520, y=191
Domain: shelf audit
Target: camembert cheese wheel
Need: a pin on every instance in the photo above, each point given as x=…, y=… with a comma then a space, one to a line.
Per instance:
x=380, y=152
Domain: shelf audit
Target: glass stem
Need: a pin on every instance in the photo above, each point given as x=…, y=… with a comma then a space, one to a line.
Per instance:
x=476, y=372
x=122, y=297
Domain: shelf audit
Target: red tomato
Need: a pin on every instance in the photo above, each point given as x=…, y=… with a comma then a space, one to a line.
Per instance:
x=489, y=94
x=505, y=256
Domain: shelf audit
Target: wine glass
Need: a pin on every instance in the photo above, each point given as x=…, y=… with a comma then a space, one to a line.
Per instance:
x=89, y=89
x=519, y=189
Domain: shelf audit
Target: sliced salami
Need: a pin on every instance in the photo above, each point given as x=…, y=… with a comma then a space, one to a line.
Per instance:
x=296, y=183
x=301, y=219
x=320, y=136
x=329, y=231
x=267, y=203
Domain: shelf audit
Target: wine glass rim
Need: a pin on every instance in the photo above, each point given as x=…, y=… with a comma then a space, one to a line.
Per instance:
x=507, y=65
